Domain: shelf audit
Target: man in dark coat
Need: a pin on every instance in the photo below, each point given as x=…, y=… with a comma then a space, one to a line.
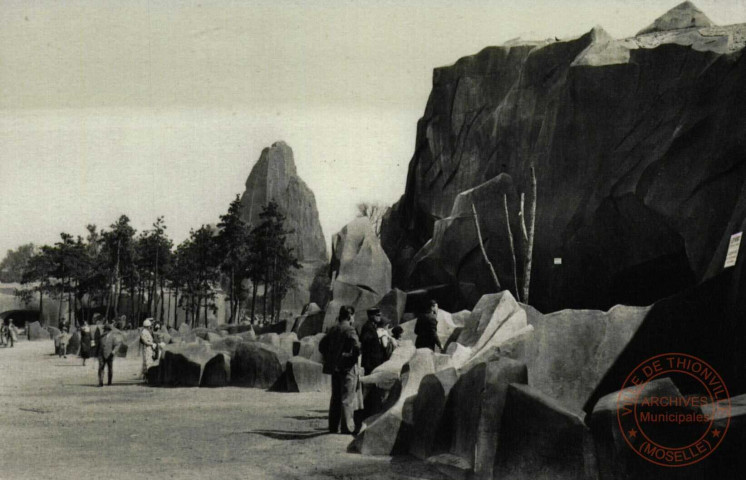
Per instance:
x=107, y=345
x=426, y=328
x=375, y=342
x=340, y=348
x=376, y=348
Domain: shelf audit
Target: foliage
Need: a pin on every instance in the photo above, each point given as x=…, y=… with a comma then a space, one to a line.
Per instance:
x=14, y=263
x=95, y=272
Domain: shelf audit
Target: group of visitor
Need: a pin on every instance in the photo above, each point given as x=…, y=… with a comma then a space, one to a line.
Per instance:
x=8, y=333
x=348, y=356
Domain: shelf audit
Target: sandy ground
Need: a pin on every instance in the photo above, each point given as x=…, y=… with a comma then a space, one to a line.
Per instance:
x=56, y=423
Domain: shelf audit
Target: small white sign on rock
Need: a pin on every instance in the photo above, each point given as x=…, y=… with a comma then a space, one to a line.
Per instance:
x=733, y=246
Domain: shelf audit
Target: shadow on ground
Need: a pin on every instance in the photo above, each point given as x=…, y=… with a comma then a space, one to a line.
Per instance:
x=290, y=434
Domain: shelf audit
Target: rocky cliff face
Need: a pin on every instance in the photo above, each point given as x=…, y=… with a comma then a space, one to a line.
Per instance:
x=274, y=178
x=638, y=146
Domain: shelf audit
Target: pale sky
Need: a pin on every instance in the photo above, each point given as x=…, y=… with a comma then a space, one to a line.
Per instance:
x=161, y=107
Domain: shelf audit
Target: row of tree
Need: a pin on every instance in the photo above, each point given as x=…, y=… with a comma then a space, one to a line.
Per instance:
x=110, y=268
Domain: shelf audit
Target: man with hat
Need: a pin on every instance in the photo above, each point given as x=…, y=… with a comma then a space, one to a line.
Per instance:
x=375, y=341
x=376, y=346
x=426, y=328
x=148, y=344
x=107, y=345
x=340, y=348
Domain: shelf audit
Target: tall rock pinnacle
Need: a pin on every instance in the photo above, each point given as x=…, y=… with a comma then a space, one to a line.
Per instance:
x=274, y=178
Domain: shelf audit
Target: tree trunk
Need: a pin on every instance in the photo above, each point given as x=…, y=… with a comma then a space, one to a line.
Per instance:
x=233, y=294
x=196, y=311
x=168, y=309
x=484, y=252
x=253, y=300
x=163, y=302
x=206, y=311
x=41, y=305
x=264, y=307
x=512, y=249
x=176, y=306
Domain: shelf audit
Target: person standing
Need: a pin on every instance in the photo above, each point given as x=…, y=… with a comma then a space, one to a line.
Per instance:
x=64, y=339
x=3, y=332
x=375, y=342
x=148, y=346
x=85, y=341
x=426, y=328
x=376, y=347
x=107, y=345
x=159, y=340
x=340, y=349
x=12, y=333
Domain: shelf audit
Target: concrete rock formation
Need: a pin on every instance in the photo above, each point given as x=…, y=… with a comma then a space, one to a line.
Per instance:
x=304, y=375
x=34, y=331
x=256, y=364
x=474, y=411
x=392, y=306
x=638, y=148
x=274, y=178
x=684, y=15
x=389, y=432
x=361, y=268
x=192, y=365
x=540, y=439
x=568, y=352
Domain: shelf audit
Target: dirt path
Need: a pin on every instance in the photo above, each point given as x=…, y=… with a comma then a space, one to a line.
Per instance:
x=56, y=423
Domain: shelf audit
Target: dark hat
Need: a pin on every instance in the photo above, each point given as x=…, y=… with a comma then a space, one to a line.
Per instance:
x=374, y=311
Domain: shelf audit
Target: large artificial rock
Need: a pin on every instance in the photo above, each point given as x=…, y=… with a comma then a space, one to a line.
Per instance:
x=568, y=352
x=309, y=348
x=289, y=343
x=270, y=339
x=392, y=306
x=705, y=322
x=277, y=327
x=34, y=331
x=217, y=371
x=274, y=178
x=474, y=411
x=387, y=374
x=234, y=329
x=228, y=344
x=496, y=319
x=684, y=15
x=184, y=365
x=304, y=375
x=608, y=149
x=615, y=459
x=185, y=329
x=389, y=432
x=538, y=438
x=256, y=364
x=459, y=318
x=310, y=322
x=428, y=409
x=53, y=331
x=360, y=268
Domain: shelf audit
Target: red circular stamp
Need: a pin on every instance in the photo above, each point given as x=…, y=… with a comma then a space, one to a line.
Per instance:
x=673, y=409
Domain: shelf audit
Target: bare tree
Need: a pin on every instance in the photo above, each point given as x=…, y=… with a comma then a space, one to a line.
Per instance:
x=528, y=235
x=484, y=252
x=374, y=212
x=512, y=248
